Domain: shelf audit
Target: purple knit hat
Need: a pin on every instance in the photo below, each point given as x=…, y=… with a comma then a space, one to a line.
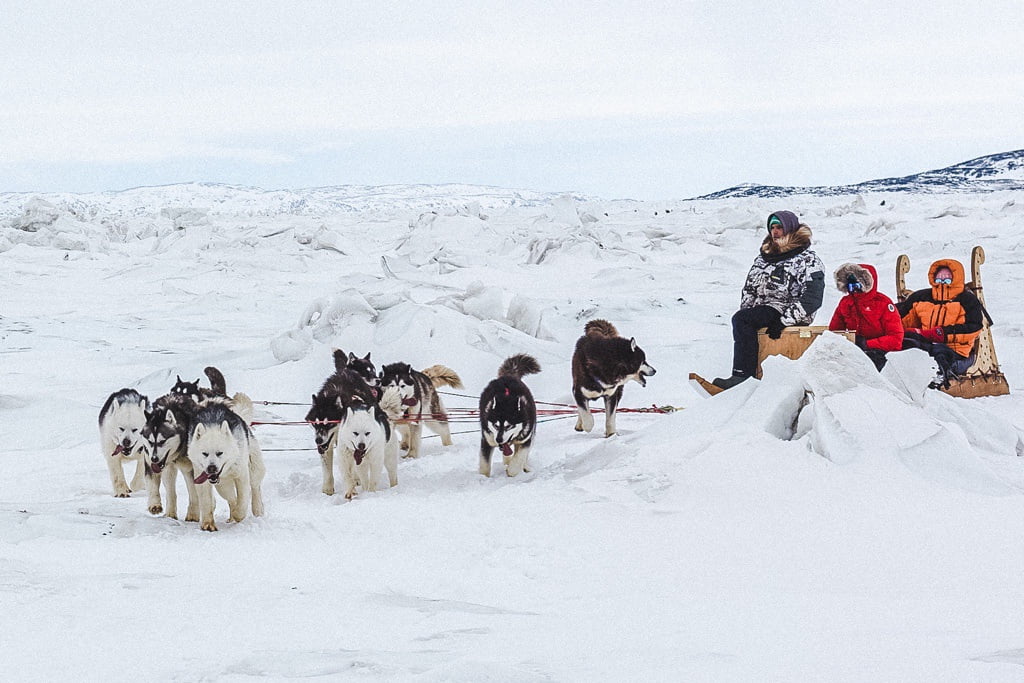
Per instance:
x=789, y=221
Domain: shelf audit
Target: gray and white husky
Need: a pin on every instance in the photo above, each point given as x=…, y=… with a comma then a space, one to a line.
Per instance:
x=122, y=418
x=344, y=388
x=420, y=401
x=366, y=444
x=224, y=453
x=508, y=416
x=166, y=453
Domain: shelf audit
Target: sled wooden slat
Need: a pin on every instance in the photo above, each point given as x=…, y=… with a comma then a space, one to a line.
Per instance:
x=792, y=344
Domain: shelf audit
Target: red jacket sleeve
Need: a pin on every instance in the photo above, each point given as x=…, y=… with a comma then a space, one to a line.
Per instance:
x=838, y=319
x=892, y=339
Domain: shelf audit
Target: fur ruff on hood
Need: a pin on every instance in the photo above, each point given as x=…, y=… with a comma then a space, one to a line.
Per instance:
x=801, y=239
x=860, y=273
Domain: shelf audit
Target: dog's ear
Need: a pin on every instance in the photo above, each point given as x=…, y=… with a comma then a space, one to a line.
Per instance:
x=522, y=403
x=351, y=356
x=490, y=404
x=632, y=344
x=225, y=428
x=171, y=420
x=367, y=356
x=199, y=431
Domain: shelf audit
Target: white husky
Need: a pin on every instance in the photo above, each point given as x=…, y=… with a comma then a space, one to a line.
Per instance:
x=122, y=418
x=366, y=444
x=225, y=454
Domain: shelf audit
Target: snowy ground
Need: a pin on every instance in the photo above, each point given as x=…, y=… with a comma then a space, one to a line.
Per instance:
x=823, y=524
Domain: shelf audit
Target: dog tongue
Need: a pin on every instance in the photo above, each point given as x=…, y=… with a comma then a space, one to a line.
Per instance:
x=359, y=454
x=201, y=479
x=506, y=449
x=117, y=451
x=156, y=467
x=408, y=401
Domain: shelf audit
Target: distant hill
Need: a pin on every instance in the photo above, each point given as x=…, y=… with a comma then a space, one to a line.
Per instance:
x=1003, y=171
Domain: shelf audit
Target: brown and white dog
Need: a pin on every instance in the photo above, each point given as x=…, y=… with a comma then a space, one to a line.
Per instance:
x=601, y=365
x=420, y=401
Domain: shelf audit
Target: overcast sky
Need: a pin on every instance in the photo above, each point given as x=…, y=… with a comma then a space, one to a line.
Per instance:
x=650, y=100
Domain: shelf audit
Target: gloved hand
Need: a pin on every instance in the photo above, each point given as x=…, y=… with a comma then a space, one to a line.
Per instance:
x=913, y=330
x=860, y=341
x=775, y=329
x=934, y=334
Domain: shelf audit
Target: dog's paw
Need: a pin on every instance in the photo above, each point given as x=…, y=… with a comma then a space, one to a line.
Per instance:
x=156, y=509
x=123, y=493
x=349, y=495
x=208, y=526
x=328, y=490
x=192, y=517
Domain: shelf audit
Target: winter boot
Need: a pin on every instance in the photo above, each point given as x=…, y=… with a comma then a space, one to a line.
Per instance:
x=729, y=382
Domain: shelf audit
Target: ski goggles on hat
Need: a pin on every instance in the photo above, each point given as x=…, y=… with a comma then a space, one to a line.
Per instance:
x=943, y=280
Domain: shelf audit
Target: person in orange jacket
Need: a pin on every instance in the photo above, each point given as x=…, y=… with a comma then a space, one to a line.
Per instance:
x=867, y=312
x=943, y=320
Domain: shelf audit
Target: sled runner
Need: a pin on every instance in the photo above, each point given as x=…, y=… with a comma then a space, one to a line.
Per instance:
x=792, y=344
x=983, y=378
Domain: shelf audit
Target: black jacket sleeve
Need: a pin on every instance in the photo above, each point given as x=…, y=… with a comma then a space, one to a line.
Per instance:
x=973, y=315
x=814, y=293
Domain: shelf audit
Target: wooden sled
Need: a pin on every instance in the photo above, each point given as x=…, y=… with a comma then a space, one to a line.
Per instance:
x=792, y=344
x=983, y=378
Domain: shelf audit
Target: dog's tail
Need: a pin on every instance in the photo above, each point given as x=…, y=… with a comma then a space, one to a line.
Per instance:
x=600, y=328
x=440, y=376
x=391, y=403
x=242, y=407
x=519, y=365
x=217, y=383
x=340, y=360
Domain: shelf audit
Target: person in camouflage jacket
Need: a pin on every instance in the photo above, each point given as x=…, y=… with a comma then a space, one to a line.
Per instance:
x=785, y=286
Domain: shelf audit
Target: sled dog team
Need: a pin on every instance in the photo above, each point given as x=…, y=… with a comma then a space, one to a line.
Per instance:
x=360, y=418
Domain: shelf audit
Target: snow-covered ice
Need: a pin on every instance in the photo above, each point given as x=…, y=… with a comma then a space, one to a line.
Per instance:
x=826, y=523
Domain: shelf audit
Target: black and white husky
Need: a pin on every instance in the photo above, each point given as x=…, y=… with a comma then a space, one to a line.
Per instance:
x=420, y=401
x=602, y=363
x=121, y=420
x=166, y=451
x=343, y=389
x=366, y=444
x=218, y=387
x=224, y=453
x=508, y=416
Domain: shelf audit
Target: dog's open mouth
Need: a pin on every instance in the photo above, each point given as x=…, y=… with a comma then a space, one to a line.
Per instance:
x=409, y=402
x=118, y=450
x=506, y=449
x=208, y=476
x=156, y=467
x=359, y=454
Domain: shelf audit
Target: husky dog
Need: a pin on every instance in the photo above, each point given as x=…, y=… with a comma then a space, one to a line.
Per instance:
x=601, y=365
x=218, y=387
x=225, y=454
x=365, y=368
x=366, y=443
x=122, y=418
x=508, y=416
x=166, y=448
x=420, y=401
x=344, y=388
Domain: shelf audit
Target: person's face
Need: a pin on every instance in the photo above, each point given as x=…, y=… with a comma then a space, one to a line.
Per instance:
x=944, y=274
x=777, y=232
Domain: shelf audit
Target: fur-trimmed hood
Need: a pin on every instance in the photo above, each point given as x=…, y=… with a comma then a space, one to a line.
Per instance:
x=796, y=241
x=864, y=273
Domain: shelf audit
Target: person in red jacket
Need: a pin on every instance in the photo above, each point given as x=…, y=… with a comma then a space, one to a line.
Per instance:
x=868, y=312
